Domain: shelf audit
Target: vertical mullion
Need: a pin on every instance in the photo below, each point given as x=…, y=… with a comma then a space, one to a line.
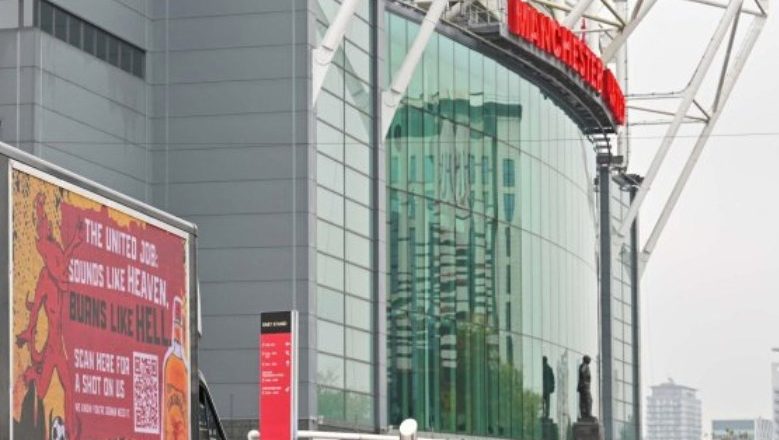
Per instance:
x=342, y=96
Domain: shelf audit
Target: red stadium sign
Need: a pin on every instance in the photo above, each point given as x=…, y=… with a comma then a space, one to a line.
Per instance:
x=278, y=379
x=545, y=33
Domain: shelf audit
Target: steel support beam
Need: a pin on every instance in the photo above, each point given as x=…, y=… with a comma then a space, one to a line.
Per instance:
x=723, y=6
x=457, y=9
x=390, y=99
x=323, y=55
x=563, y=7
x=620, y=39
x=635, y=290
x=729, y=81
x=687, y=99
x=613, y=9
x=573, y=17
x=605, y=265
x=623, y=134
x=689, y=118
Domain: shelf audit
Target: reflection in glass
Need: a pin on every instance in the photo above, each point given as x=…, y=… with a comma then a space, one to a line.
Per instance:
x=489, y=251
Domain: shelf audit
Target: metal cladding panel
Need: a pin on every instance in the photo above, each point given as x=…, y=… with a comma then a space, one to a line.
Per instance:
x=229, y=81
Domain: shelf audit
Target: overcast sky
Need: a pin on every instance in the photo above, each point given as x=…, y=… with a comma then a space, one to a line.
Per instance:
x=711, y=289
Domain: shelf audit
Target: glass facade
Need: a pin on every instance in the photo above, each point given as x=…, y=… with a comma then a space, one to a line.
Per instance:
x=344, y=245
x=625, y=403
x=492, y=288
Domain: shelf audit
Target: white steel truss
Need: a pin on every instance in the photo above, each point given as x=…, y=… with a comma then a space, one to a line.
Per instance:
x=390, y=99
x=615, y=25
x=691, y=109
x=322, y=55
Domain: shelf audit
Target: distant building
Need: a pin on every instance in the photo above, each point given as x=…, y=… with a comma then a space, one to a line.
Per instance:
x=756, y=429
x=775, y=394
x=673, y=413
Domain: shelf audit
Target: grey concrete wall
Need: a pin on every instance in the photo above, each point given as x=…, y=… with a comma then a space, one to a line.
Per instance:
x=217, y=133
x=73, y=109
x=230, y=82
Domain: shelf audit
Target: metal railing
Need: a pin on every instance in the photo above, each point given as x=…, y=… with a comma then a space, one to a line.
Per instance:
x=406, y=431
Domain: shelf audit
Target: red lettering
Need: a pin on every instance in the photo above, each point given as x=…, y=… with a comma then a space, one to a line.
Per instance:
x=598, y=74
x=544, y=33
x=549, y=34
x=535, y=35
x=558, y=42
x=567, y=48
x=575, y=54
x=513, y=18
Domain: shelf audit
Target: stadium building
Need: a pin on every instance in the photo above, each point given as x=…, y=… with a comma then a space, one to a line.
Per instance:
x=435, y=220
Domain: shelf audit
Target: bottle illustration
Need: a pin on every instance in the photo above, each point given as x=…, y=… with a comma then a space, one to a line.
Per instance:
x=175, y=411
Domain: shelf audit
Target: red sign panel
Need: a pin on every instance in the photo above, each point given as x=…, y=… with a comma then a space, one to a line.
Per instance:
x=100, y=323
x=277, y=376
x=558, y=41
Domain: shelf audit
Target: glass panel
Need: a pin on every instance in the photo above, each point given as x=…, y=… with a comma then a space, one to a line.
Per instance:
x=358, y=250
x=358, y=376
x=358, y=218
x=330, y=403
x=358, y=313
x=126, y=56
x=330, y=109
x=330, y=271
x=330, y=370
x=358, y=344
x=329, y=173
x=446, y=77
x=74, y=31
x=101, y=45
x=359, y=407
x=358, y=281
x=359, y=33
x=330, y=337
x=461, y=81
x=358, y=124
x=358, y=187
x=60, y=24
x=113, y=50
x=358, y=93
x=330, y=206
x=329, y=141
x=89, y=38
x=330, y=304
x=330, y=239
x=334, y=80
x=139, y=63
x=47, y=18
x=358, y=62
x=358, y=156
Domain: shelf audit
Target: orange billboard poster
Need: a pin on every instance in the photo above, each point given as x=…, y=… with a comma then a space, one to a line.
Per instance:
x=100, y=322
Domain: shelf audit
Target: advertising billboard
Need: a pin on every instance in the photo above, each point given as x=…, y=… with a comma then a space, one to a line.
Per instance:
x=278, y=378
x=100, y=323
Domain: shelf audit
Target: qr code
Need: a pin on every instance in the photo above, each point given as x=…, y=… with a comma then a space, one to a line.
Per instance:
x=146, y=393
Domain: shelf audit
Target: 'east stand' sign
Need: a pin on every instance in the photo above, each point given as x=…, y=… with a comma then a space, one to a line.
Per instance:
x=278, y=375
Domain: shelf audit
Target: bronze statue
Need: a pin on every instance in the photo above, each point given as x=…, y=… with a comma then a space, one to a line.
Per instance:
x=548, y=386
x=583, y=388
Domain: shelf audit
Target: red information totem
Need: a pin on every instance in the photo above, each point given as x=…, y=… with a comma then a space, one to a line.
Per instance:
x=278, y=375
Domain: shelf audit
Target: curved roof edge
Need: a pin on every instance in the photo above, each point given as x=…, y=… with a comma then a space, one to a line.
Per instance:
x=585, y=107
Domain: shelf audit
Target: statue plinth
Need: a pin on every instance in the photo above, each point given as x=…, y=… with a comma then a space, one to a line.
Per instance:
x=549, y=429
x=587, y=429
